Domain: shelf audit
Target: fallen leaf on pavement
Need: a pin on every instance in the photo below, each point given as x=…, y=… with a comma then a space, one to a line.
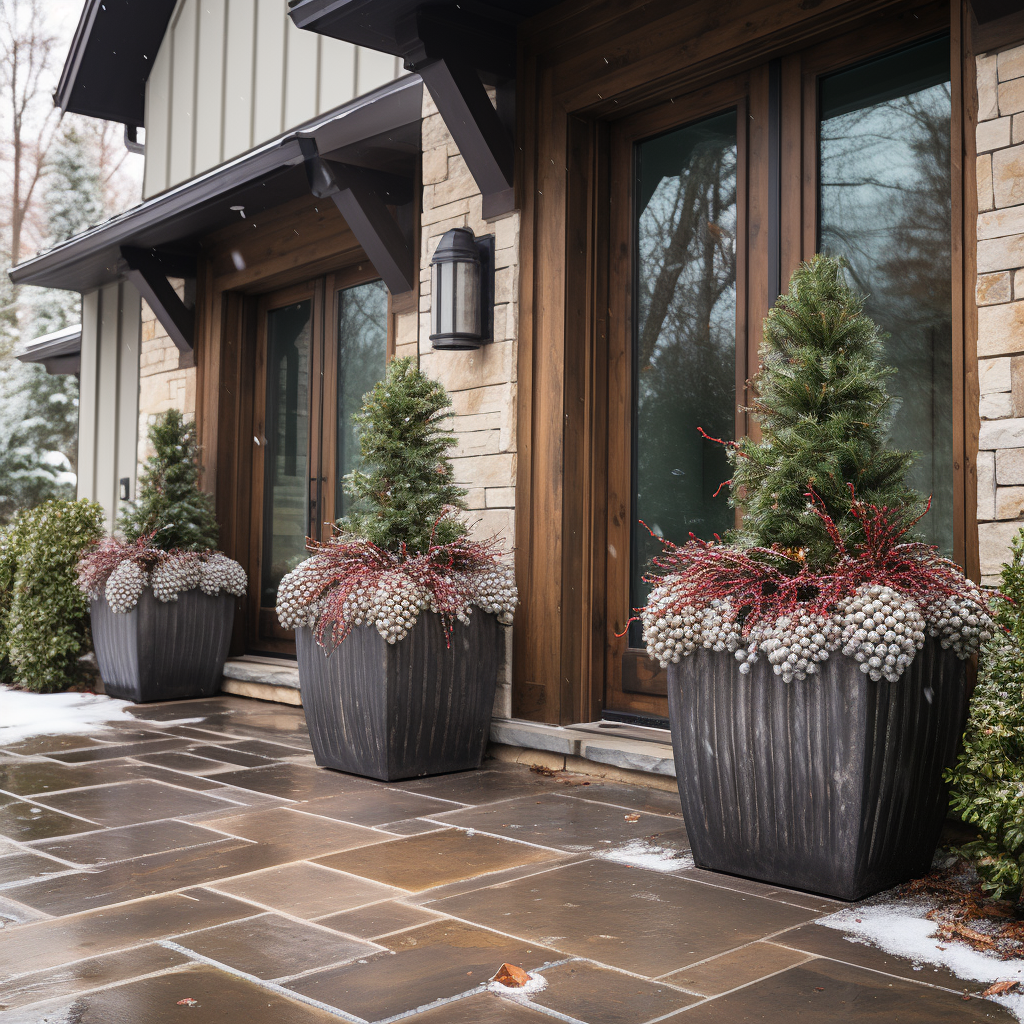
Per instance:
x=1000, y=988
x=511, y=976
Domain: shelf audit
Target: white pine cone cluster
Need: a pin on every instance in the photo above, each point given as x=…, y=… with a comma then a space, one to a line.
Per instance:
x=878, y=627
x=125, y=585
x=218, y=572
x=296, y=605
x=174, y=575
x=397, y=604
x=494, y=592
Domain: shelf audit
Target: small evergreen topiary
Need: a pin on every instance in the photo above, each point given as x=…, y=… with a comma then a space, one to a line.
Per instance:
x=402, y=495
x=170, y=505
x=987, y=784
x=44, y=628
x=824, y=414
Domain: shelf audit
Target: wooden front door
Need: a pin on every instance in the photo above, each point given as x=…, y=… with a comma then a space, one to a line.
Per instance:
x=716, y=196
x=319, y=347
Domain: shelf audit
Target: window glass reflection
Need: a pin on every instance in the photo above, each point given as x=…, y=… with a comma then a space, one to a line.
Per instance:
x=885, y=204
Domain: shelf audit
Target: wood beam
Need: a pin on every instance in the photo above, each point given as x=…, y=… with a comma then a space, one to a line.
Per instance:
x=362, y=197
x=149, y=276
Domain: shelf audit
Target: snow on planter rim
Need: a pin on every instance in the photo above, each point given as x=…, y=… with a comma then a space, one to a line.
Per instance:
x=901, y=929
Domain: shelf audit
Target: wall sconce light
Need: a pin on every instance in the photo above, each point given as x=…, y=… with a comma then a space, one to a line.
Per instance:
x=462, y=290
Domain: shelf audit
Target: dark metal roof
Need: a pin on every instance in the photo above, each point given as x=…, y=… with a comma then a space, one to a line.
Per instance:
x=59, y=352
x=387, y=24
x=111, y=56
x=380, y=131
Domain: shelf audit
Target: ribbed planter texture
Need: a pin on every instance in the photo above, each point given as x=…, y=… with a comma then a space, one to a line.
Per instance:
x=397, y=711
x=832, y=785
x=163, y=651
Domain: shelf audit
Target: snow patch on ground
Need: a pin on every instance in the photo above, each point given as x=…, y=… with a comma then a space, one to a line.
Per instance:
x=25, y=715
x=901, y=929
x=640, y=853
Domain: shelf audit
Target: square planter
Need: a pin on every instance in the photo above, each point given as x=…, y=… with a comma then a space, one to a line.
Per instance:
x=163, y=651
x=831, y=785
x=397, y=711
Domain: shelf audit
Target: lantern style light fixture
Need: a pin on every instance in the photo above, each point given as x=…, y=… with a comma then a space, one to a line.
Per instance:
x=462, y=290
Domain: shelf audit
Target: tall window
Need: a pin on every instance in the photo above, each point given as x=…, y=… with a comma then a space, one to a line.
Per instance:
x=884, y=150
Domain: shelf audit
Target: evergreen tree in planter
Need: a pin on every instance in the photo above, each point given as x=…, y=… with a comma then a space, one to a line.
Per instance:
x=833, y=641
x=162, y=599
x=408, y=692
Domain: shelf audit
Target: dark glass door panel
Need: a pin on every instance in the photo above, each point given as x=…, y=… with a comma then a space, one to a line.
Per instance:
x=286, y=445
x=362, y=339
x=684, y=338
x=884, y=203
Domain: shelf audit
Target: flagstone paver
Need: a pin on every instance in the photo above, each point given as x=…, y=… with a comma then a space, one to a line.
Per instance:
x=193, y=862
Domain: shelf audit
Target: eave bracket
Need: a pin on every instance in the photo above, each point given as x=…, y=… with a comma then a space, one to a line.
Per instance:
x=148, y=273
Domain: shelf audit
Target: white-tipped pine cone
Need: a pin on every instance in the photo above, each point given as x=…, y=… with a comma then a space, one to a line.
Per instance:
x=125, y=585
x=960, y=622
x=397, y=605
x=295, y=597
x=173, y=575
x=220, y=573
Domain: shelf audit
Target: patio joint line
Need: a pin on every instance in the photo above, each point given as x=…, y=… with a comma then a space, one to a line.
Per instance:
x=269, y=986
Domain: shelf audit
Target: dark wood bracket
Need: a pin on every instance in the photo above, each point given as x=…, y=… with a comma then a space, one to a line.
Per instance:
x=148, y=273
x=363, y=197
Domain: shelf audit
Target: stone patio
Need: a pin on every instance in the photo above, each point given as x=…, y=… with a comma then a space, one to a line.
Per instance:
x=192, y=863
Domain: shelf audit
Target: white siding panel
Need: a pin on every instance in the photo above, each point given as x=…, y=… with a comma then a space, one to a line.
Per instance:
x=337, y=73
x=269, y=91
x=87, y=381
x=128, y=387
x=210, y=84
x=105, y=486
x=183, y=82
x=158, y=122
x=375, y=69
x=238, y=56
x=302, y=75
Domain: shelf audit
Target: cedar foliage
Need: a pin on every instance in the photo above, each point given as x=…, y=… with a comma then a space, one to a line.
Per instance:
x=824, y=413
x=987, y=783
x=170, y=505
x=405, y=491
x=44, y=617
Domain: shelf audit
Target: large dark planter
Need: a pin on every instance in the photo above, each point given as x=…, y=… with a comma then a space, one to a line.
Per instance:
x=161, y=651
x=832, y=785
x=397, y=711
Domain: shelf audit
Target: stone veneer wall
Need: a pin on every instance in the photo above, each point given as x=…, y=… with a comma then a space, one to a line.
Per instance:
x=482, y=383
x=1000, y=293
x=163, y=384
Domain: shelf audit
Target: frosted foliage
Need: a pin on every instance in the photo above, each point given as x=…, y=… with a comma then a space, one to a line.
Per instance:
x=393, y=603
x=878, y=627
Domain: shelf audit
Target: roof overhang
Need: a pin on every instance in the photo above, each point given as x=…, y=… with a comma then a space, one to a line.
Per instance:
x=112, y=53
x=378, y=132
x=60, y=352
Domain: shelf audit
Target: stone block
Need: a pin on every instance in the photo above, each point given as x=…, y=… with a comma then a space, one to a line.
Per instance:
x=435, y=165
x=408, y=352
x=1009, y=502
x=999, y=223
x=1001, y=329
x=996, y=407
x=458, y=185
x=998, y=434
x=504, y=286
x=986, y=200
x=475, y=497
x=500, y=497
x=506, y=232
x=431, y=234
x=993, y=288
x=476, y=442
x=994, y=375
x=994, y=545
x=988, y=100
x=1008, y=175
x=516, y=733
x=1011, y=96
x=434, y=132
x=993, y=134
x=1010, y=63
x=1009, y=466
x=635, y=755
x=1018, y=284
x=1017, y=132
x=986, y=486
x=433, y=215
x=490, y=364
x=1000, y=253
x=486, y=470
x=406, y=329
x=148, y=329
x=1017, y=385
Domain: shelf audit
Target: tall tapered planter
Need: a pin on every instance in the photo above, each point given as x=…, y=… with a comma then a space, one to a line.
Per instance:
x=397, y=711
x=832, y=784
x=163, y=651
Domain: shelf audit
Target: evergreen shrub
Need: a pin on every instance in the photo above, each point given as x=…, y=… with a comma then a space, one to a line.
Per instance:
x=987, y=784
x=44, y=616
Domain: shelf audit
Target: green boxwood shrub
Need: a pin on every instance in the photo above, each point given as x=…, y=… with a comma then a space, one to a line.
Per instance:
x=987, y=784
x=44, y=617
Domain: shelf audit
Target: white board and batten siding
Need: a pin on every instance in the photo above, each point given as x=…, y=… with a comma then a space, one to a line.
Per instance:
x=108, y=408
x=232, y=74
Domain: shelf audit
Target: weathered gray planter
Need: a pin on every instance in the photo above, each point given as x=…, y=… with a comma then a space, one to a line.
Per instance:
x=397, y=711
x=161, y=651
x=832, y=785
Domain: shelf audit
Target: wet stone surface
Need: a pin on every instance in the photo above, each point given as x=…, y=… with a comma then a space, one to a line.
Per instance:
x=192, y=862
